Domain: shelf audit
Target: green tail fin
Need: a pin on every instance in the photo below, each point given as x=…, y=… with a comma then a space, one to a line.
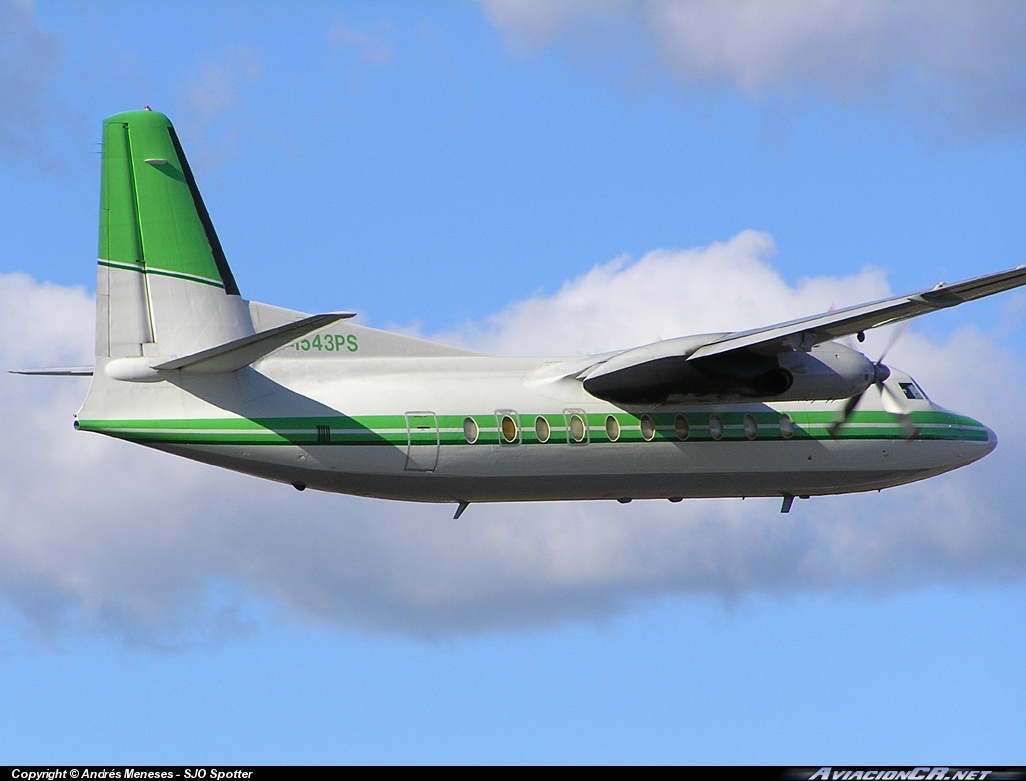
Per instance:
x=152, y=218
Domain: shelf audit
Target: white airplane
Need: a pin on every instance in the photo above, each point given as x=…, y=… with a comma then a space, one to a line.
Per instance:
x=185, y=365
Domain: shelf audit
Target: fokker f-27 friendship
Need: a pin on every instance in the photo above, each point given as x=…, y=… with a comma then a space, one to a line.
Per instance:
x=184, y=364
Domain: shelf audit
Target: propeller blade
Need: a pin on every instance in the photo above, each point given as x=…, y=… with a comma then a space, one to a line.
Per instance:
x=896, y=334
x=849, y=407
x=911, y=429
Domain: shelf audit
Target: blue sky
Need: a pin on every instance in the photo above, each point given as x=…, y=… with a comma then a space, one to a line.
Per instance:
x=471, y=171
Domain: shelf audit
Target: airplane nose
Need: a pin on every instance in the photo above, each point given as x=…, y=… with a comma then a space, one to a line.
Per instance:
x=968, y=450
x=974, y=451
x=992, y=439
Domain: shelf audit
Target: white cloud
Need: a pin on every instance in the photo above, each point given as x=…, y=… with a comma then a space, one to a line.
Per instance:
x=160, y=550
x=951, y=60
x=722, y=287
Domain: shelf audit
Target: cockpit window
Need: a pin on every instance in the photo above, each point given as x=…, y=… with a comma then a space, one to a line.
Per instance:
x=911, y=390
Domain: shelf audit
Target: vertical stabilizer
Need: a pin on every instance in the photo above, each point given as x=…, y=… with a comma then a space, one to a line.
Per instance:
x=164, y=287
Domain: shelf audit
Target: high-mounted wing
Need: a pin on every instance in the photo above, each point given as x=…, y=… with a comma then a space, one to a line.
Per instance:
x=792, y=360
x=802, y=334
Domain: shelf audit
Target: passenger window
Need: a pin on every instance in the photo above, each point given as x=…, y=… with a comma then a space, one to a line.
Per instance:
x=715, y=427
x=541, y=429
x=576, y=423
x=577, y=429
x=612, y=428
x=750, y=426
x=647, y=428
x=509, y=430
x=680, y=425
x=786, y=426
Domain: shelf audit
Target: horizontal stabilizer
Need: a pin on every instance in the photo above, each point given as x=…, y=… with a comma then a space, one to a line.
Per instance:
x=59, y=371
x=238, y=353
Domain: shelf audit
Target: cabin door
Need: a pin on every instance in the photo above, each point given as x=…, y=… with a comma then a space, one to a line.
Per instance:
x=421, y=441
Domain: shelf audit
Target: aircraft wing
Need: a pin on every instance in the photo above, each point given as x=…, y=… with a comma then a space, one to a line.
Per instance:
x=764, y=361
x=805, y=332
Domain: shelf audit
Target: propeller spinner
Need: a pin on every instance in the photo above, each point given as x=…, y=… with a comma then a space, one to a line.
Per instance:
x=880, y=374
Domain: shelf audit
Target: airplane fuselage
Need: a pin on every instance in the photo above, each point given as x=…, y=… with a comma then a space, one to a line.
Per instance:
x=478, y=429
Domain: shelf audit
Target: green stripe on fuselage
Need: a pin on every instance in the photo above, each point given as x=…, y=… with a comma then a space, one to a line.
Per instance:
x=391, y=430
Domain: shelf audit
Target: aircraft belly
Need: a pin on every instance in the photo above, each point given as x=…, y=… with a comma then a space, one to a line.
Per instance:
x=599, y=471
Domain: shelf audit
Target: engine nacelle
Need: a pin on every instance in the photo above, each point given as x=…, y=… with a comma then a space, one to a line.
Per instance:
x=661, y=373
x=829, y=371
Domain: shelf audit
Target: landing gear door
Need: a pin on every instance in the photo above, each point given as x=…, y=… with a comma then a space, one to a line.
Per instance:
x=421, y=441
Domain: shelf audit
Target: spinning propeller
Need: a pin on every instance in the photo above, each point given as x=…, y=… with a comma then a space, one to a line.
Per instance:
x=880, y=375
